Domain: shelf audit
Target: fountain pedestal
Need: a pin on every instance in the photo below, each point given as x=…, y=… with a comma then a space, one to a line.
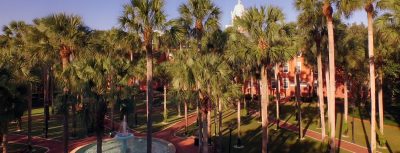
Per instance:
x=124, y=139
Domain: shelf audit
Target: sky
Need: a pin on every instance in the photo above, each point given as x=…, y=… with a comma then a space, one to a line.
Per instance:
x=103, y=14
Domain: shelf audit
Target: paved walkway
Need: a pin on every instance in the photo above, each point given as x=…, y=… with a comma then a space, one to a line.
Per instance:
x=53, y=146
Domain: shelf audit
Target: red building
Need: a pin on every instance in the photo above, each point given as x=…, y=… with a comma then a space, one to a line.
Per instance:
x=287, y=80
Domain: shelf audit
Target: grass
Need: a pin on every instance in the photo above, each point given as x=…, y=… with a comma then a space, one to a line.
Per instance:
x=22, y=148
x=280, y=140
x=361, y=129
x=56, y=128
x=158, y=119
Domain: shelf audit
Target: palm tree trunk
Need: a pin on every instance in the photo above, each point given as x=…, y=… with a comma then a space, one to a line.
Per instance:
x=239, y=123
x=165, y=104
x=186, y=118
x=205, y=130
x=179, y=108
x=100, y=113
x=219, y=125
x=251, y=87
x=112, y=109
x=346, y=105
x=277, y=98
x=4, y=143
x=380, y=101
x=209, y=123
x=298, y=103
x=320, y=90
x=209, y=106
x=73, y=109
x=30, y=117
x=65, y=54
x=327, y=8
x=149, y=95
x=51, y=91
x=19, y=124
x=369, y=9
x=264, y=108
x=46, y=97
x=65, y=124
x=244, y=95
x=200, y=126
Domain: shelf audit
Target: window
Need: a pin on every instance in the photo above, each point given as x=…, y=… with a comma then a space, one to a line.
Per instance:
x=298, y=67
x=273, y=84
x=299, y=53
x=286, y=68
x=286, y=83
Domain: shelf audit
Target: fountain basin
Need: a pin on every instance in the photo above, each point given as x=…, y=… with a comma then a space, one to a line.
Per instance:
x=136, y=145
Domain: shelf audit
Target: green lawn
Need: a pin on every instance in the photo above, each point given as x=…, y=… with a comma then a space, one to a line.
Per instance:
x=310, y=114
x=56, y=128
x=280, y=140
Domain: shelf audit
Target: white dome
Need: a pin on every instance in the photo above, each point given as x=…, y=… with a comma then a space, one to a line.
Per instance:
x=238, y=11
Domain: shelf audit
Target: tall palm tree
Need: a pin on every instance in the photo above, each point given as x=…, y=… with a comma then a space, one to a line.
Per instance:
x=352, y=61
x=66, y=34
x=240, y=57
x=145, y=16
x=17, y=74
x=310, y=19
x=328, y=11
x=387, y=33
x=184, y=79
x=210, y=73
x=262, y=25
x=347, y=7
x=94, y=71
x=200, y=17
x=171, y=38
x=19, y=49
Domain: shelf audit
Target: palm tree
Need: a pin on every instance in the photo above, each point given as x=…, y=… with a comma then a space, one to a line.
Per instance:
x=170, y=39
x=184, y=79
x=310, y=19
x=145, y=17
x=262, y=25
x=17, y=73
x=210, y=73
x=328, y=11
x=387, y=33
x=94, y=70
x=66, y=34
x=202, y=16
x=352, y=60
x=240, y=57
x=347, y=7
x=18, y=48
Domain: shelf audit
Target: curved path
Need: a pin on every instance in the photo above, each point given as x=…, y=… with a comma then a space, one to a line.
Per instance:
x=182, y=145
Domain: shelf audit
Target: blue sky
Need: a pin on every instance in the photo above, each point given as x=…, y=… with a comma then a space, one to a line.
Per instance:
x=103, y=14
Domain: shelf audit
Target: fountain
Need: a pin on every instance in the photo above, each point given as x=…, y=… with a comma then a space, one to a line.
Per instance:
x=125, y=142
x=124, y=138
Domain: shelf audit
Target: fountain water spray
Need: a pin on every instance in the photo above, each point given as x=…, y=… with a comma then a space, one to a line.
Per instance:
x=124, y=136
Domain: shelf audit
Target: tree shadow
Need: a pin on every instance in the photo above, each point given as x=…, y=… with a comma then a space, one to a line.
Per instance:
x=309, y=116
x=363, y=126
